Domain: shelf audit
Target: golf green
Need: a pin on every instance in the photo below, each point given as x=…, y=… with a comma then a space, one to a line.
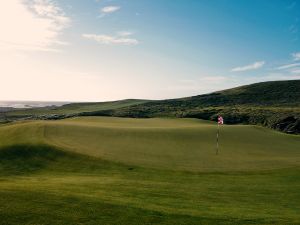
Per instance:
x=97, y=170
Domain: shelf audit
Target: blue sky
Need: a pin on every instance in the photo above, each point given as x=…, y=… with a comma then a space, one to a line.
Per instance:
x=97, y=50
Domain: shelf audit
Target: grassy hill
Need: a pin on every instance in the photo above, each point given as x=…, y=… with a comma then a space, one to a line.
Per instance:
x=274, y=104
x=95, y=170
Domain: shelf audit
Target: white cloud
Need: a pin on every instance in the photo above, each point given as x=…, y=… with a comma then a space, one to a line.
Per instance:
x=31, y=25
x=296, y=56
x=125, y=33
x=48, y=9
x=288, y=66
x=253, y=66
x=110, y=9
x=111, y=40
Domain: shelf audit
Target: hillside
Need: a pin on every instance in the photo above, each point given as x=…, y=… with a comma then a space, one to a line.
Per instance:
x=97, y=170
x=266, y=94
x=274, y=104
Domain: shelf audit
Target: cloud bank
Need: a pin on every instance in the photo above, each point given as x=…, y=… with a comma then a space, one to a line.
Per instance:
x=110, y=9
x=111, y=40
x=31, y=25
x=288, y=66
x=253, y=66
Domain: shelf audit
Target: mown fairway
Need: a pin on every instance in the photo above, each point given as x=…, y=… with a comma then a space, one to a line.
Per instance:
x=147, y=171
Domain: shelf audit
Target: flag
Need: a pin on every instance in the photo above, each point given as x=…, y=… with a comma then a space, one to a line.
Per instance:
x=220, y=120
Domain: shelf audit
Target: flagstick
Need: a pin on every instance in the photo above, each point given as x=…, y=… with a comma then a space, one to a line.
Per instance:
x=217, y=150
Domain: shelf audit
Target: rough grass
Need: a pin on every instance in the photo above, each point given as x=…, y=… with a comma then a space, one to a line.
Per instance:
x=42, y=183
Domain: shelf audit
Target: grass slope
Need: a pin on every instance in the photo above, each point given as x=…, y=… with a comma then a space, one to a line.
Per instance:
x=146, y=171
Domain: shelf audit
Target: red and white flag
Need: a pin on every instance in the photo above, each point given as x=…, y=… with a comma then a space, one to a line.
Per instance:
x=220, y=120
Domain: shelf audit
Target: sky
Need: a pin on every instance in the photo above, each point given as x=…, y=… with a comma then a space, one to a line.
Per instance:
x=101, y=50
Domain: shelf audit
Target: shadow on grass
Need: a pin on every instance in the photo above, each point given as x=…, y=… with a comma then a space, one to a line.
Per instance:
x=20, y=159
x=26, y=159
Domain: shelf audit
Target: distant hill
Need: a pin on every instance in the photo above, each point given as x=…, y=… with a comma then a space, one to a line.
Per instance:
x=273, y=93
x=72, y=108
x=275, y=104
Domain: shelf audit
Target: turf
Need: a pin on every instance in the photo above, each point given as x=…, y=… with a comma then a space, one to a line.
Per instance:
x=146, y=171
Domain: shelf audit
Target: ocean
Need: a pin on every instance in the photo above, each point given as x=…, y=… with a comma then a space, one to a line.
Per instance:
x=28, y=104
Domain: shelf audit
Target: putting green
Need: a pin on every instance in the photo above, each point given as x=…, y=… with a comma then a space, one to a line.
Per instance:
x=146, y=172
x=173, y=144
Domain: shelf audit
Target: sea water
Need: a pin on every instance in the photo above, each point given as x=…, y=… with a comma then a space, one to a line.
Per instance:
x=28, y=104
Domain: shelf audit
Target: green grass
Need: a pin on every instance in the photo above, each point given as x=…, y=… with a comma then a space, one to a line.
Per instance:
x=174, y=144
x=146, y=171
